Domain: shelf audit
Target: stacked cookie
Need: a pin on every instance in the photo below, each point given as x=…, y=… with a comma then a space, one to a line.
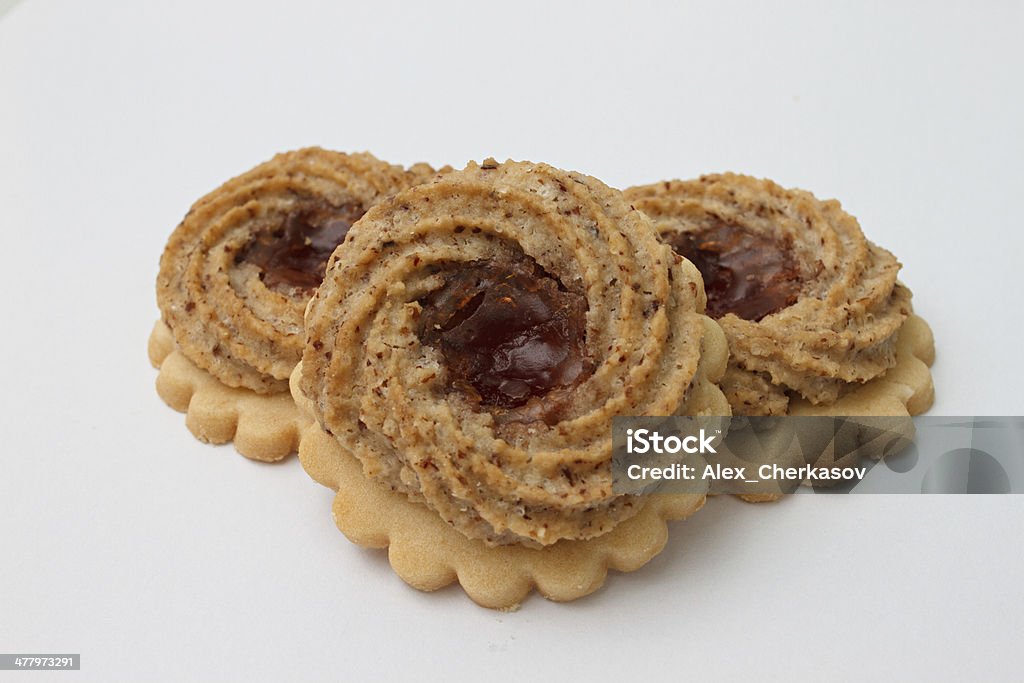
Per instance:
x=812, y=309
x=467, y=336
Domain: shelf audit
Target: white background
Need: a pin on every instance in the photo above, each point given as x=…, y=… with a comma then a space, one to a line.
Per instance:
x=159, y=558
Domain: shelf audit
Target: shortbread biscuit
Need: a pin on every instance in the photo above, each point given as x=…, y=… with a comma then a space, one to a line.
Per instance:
x=263, y=426
x=812, y=310
x=475, y=335
x=903, y=391
x=429, y=554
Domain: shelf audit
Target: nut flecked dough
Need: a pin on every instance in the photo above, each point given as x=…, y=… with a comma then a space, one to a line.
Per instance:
x=811, y=308
x=474, y=336
x=237, y=272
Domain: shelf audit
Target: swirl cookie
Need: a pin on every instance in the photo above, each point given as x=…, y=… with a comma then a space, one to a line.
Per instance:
x=472, y=340
x=812, y=310
x=238, y=271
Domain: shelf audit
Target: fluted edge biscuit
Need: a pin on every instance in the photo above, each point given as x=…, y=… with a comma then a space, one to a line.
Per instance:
x=263, y=427
x=429, y=554
x=905, y=390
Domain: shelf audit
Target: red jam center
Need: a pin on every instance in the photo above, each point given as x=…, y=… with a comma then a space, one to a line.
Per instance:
x=294, y=255
x=745, y=273
x=509, y=333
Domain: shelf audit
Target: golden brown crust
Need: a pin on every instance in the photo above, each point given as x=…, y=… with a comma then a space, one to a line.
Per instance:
x=841, y=331
x=384, y=395
x=223, y=317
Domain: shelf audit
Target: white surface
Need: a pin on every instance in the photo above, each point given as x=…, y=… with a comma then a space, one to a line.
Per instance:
x=159, y=558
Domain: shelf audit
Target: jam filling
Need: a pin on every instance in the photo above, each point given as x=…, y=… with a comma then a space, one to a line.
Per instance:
x=745, y=273
x=294, y=254
x=511, y=335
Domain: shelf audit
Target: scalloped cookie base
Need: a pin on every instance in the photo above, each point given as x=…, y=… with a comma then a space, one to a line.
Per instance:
x=905, y=390
x=428, y=554
x=263, y=427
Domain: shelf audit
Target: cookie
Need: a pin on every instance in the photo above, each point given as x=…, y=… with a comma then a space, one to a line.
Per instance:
x=474, y=336
x=813, y=311
x=235, y=278
x=429, y=554
x=906, y=388
x=237, y=272
x=263, y=427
